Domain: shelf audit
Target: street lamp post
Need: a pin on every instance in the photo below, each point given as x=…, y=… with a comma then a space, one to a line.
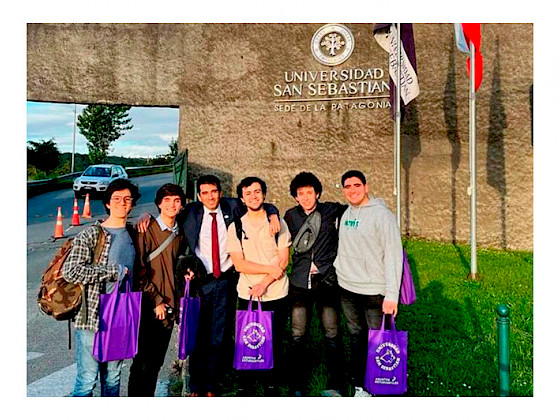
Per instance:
x=74, y=139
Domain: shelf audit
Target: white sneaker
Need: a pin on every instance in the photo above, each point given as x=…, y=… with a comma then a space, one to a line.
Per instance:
x=360, y=392
x=330, y=393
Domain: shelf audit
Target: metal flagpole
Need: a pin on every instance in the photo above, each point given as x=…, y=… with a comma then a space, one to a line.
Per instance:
x=397, y=141
x=472, y=158
x=74, y=139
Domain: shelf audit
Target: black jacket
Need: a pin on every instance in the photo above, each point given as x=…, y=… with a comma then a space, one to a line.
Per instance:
x=323, y=252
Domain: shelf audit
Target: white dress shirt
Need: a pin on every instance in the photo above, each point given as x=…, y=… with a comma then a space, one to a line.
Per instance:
x=204, y=248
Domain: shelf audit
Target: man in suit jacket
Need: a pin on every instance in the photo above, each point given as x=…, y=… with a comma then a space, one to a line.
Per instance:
x=213, y=352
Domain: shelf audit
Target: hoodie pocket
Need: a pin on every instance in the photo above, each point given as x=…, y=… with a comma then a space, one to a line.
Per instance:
x=352, y=269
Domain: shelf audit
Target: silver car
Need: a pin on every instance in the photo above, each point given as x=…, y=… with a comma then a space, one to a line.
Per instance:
x=96, y=178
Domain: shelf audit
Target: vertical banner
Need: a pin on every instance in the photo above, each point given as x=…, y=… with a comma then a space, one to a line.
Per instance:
x=386, y=36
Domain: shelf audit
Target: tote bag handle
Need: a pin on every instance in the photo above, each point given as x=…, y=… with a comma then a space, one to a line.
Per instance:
x=115, y=292
x=119, y=284
x=393, y=326
x=187, y=289
x=250, y=307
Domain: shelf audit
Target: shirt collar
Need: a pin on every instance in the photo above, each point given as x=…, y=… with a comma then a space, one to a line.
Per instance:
x=164, y=227
x=207, y=211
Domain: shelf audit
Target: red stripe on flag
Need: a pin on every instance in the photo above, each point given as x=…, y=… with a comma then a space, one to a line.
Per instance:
x=472, y=34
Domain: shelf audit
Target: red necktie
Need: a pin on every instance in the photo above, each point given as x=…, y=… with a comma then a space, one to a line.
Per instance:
x=215, y=247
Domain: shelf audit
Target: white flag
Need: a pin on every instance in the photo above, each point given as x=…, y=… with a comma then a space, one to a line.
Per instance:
x=409, y=80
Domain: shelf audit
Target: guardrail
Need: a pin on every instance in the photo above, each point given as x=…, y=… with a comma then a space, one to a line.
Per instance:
x=76, y=174
x=45, y=181
x=133, y=168
x=65, y=181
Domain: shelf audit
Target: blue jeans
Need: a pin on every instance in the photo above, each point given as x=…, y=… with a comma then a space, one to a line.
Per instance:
x=88, y=368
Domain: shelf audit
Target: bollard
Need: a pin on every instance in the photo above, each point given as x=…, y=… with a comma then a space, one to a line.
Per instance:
x=503, y=349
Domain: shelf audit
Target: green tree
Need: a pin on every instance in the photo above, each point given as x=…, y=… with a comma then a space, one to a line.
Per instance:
x=43, y=155
x=173, y=148
x=101, y=125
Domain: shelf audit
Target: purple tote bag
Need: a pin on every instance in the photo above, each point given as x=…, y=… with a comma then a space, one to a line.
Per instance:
x=253, y=339
x=386, y=366
x=189, y=312
x=408, y=293
x=119, y=324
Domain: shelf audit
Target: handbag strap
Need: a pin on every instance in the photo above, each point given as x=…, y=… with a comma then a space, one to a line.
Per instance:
x=311, y=224
x=160, y=248
x=98, y=250
x=99, y=245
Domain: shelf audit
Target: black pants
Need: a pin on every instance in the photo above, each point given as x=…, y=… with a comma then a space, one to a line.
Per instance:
x=327, y=300
x=362, y=312
x=153, y=342
x=228, y=340
x=213, y=351
x=275, y=376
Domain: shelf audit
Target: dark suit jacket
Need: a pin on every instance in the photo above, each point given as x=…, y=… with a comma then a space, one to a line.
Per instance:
x=191, y=217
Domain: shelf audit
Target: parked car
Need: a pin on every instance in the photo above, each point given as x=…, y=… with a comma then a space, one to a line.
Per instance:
x=96, y=178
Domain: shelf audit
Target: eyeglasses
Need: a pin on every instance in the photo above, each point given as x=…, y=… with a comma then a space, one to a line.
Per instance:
x=127, y=200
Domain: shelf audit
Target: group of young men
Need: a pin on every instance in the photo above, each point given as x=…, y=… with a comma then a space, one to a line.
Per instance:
x=345, y=257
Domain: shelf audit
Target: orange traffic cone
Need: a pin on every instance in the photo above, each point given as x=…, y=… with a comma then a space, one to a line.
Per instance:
x=75, y=216
x=87, y=209
x=59, y=229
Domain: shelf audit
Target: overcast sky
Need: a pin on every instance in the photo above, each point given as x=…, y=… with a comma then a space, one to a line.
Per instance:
x=150, y=136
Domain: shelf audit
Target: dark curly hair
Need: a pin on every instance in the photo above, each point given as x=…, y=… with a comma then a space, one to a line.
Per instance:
x=305, y=179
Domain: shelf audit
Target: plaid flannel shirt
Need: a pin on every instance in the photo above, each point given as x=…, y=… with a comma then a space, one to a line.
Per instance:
x=79, y=268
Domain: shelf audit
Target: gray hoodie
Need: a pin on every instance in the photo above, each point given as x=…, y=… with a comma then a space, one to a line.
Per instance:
x=370, y=256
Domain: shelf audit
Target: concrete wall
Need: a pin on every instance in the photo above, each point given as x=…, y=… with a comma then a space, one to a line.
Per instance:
x=223, y=76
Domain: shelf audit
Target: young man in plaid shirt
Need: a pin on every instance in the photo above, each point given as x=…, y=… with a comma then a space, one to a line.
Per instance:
x=114, y=265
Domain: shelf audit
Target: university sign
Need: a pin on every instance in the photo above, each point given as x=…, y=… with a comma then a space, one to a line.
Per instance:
x=351, y=88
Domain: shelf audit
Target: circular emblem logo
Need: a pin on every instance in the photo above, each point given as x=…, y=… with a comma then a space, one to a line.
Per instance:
x=253, y=335
x=332, y=44
x=387, y=356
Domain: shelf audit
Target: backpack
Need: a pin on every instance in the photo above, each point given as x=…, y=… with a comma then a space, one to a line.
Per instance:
x=239, y=231
x=56, y=296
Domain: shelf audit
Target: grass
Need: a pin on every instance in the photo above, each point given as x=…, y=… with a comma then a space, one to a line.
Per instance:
x=452, y=327
x=452, y=333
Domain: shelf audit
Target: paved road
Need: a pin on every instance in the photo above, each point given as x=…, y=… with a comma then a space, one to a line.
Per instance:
x=50, y=365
